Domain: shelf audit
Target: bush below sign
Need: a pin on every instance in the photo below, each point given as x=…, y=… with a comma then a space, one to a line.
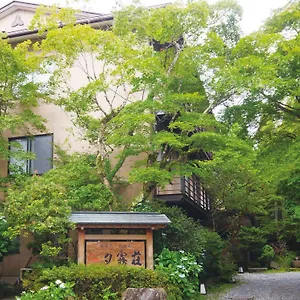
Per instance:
x=95, y=281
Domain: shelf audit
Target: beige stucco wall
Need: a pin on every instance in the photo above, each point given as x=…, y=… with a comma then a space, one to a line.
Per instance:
x=11, y=265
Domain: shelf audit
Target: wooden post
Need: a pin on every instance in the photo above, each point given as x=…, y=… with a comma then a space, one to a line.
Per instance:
x=81, y=246
x=149, y=248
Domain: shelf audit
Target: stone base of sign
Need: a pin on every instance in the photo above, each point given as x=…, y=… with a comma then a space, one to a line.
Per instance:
x=274, y=265
x=296, y=263
x=145, y=294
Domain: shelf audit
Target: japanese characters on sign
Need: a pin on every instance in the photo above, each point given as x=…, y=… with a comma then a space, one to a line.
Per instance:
x=116, y=252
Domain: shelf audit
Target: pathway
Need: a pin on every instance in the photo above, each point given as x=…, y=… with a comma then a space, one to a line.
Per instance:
x=266, y=286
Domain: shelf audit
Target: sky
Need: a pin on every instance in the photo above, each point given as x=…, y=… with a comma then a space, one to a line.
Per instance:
x=255, y=11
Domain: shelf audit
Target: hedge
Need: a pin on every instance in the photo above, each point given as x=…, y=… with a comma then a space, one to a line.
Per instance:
x=97, y=281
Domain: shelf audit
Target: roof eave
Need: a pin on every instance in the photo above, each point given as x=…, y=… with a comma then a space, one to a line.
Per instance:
x=95, y=22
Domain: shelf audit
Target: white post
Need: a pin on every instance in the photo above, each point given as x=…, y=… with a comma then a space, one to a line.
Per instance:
x=202, y=289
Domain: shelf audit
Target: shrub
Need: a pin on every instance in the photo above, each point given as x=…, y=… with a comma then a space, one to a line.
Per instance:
x=251, y=239
x=268, y=254
x=285, y=261
x=57, y=290
x=212, y=256
x=98, y=281
x=7, y=245
x=182, y=268
x=226, y=269
x=183, y=233
x=36, y=207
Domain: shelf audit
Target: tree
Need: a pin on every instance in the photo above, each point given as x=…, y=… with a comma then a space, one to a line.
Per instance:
x=259, y=77
x=77, y=175
x=42, y=209
x=152, y=82
x=281, y=138
x=262, y=73
x=38, y=209
x=20, y=91
x=148, y=95
x=232, y=179
x=156, y=71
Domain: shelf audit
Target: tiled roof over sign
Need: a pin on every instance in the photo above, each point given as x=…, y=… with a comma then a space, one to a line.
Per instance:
x=119, y=218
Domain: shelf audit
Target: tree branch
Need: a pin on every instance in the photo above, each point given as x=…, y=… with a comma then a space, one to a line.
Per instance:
x=178, y=50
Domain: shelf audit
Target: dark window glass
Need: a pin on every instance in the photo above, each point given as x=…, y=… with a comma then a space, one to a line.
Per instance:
x=42, y=147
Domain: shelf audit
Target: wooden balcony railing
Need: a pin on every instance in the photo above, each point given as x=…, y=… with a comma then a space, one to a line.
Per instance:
x=186, y=188
x=193, y=189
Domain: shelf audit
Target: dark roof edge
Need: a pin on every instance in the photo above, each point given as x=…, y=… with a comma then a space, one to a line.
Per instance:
x=20, y=2
x=88, y=20
x=92, y=20
x=117, y=212
x=38, y=4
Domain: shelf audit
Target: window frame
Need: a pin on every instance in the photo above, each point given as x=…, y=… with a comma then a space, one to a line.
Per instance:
x=29, y=149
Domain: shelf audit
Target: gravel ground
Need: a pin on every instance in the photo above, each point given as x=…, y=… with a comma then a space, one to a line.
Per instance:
x=266, y=286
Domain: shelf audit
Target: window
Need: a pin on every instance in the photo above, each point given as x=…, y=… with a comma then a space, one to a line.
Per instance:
x=40, y=146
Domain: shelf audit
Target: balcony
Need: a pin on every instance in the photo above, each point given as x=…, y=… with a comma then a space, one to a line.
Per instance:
x=188, y=193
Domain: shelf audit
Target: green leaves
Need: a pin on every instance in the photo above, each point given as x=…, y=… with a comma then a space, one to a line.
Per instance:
x=40, y=210
x=225, y=21
x=261, y=73
x=57, y=290
x=285, y=19
x=40, y=206
x=19, y=87
x=151, y=175
x=182, y=269
x=151, y=84
x=7, y=245
x=81, y=182
x=165, y=25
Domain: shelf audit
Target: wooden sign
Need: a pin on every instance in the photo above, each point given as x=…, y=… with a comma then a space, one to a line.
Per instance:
x=116, y=252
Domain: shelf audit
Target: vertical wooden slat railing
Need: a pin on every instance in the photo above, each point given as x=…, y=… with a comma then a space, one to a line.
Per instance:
x=190, y=188
x=193, y=189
